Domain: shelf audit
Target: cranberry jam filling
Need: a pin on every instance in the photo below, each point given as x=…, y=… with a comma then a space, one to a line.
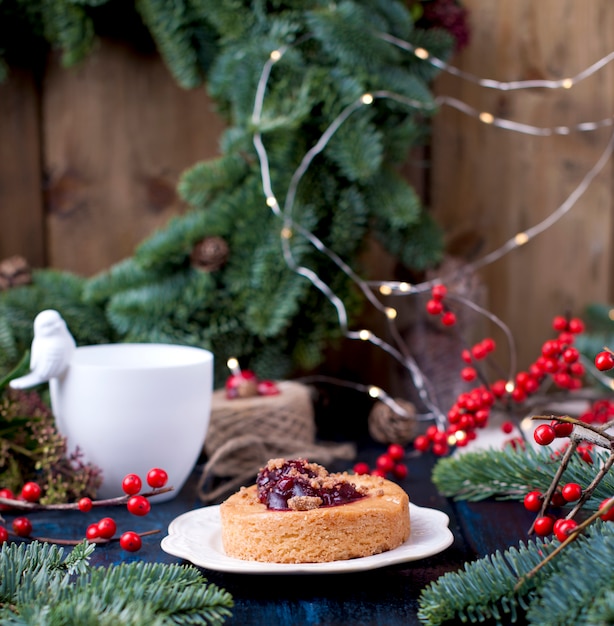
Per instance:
x=282, y=480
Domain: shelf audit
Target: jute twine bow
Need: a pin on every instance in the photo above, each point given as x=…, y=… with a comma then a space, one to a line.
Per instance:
x=244, y=433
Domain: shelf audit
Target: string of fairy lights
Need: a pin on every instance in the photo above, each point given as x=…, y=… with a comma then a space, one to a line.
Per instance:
x=291, y=228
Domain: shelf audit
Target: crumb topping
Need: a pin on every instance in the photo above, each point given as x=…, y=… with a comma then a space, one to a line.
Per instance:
x=304, y=503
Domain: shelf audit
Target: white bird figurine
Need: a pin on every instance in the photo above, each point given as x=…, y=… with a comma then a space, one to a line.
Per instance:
x=51, y=351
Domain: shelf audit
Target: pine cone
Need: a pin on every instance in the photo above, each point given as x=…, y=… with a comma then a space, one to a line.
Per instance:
x=209, y=254
x=387, y=426
x=14, y=272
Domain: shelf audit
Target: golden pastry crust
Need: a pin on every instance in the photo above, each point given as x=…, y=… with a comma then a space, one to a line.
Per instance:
x=376, y=523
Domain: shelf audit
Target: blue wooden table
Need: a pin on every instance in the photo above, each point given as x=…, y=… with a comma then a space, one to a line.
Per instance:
x=386, y=596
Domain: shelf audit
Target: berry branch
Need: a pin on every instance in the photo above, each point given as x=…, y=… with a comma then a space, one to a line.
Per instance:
x=101, y=532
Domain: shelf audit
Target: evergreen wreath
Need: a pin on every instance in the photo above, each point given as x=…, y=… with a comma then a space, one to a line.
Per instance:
x=248, y=303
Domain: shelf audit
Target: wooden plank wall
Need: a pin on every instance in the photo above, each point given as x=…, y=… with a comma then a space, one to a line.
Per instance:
x=487, y=184
x=115, y=135
x=89, y=158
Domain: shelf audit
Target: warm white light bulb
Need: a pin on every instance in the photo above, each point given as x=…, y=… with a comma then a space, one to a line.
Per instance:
x=275, y=55
x=375, y=392
x=385, y=290
x=421, y=53
x=365, y=335
x=521, y=238
x=487, y=118
x=367, y=99
x=391, y=313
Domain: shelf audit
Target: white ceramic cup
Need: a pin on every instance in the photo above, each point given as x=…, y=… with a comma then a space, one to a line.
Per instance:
x=132, y=407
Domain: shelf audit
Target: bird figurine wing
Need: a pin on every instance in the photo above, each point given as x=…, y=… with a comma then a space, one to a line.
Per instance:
x=51, y=350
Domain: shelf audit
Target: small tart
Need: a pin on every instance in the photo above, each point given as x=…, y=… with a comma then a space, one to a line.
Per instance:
x=375, y=523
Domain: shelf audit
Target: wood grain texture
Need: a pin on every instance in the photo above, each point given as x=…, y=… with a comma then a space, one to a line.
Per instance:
x=489, y=184
x=21, y=202
x=118, y=133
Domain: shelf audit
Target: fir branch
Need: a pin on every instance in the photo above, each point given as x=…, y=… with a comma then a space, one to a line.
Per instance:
x=584, y=575
x=509, y=473
x=485, y=588
x=38, y=585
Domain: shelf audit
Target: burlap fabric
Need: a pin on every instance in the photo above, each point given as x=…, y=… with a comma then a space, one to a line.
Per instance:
x=244, y=433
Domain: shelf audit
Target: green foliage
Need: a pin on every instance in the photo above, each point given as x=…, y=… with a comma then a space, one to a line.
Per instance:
x=333, y=168
x=50, y=289
x=509, y=473
x=39, y=585
x=575, y=587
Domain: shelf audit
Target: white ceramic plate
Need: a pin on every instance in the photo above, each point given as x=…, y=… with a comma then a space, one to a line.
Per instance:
x=196, y=537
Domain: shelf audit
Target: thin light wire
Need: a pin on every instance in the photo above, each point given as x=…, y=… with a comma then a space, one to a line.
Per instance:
x=394, y=287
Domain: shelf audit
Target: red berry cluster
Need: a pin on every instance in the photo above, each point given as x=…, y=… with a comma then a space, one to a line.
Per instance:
x=105, y=528
x=437, y=440
x=569, y=493
x=437, y=306
x=600, y=412
x=559, y=361
x=390, y=463
x=545, y=434
x=245, y=384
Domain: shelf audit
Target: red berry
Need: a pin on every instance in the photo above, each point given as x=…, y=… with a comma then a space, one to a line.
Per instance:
x=571, y=355
x=604, y=361
x=608, y=516
x=448, y=318
x=544, y=434
x=157, y=478
x=85, y=504
x=400, y=471
x=563, y=528
x=106, y=527
x=422, y=443
x=131, y=484
x=9, y=495
x=31, y=492
x=533, y=501
x=396, y=451
x=384, y=463
x=543, y=526
x=130, y=541
x=434, y=307
x=22, y=526
x=4, y=535
x=478, y=351
x=571, y=492
x=561, y=429
x=361, y=468
x=468, y=374
x=489, y=344
x=440, y=448
x=498, y=388
x=438, y=292
x=466, y=356
x=576, y=325
x=138, y=505
x=92, y=532
x=267, y=388
x=507, y=427
x=378, y=472
x=559, y=323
